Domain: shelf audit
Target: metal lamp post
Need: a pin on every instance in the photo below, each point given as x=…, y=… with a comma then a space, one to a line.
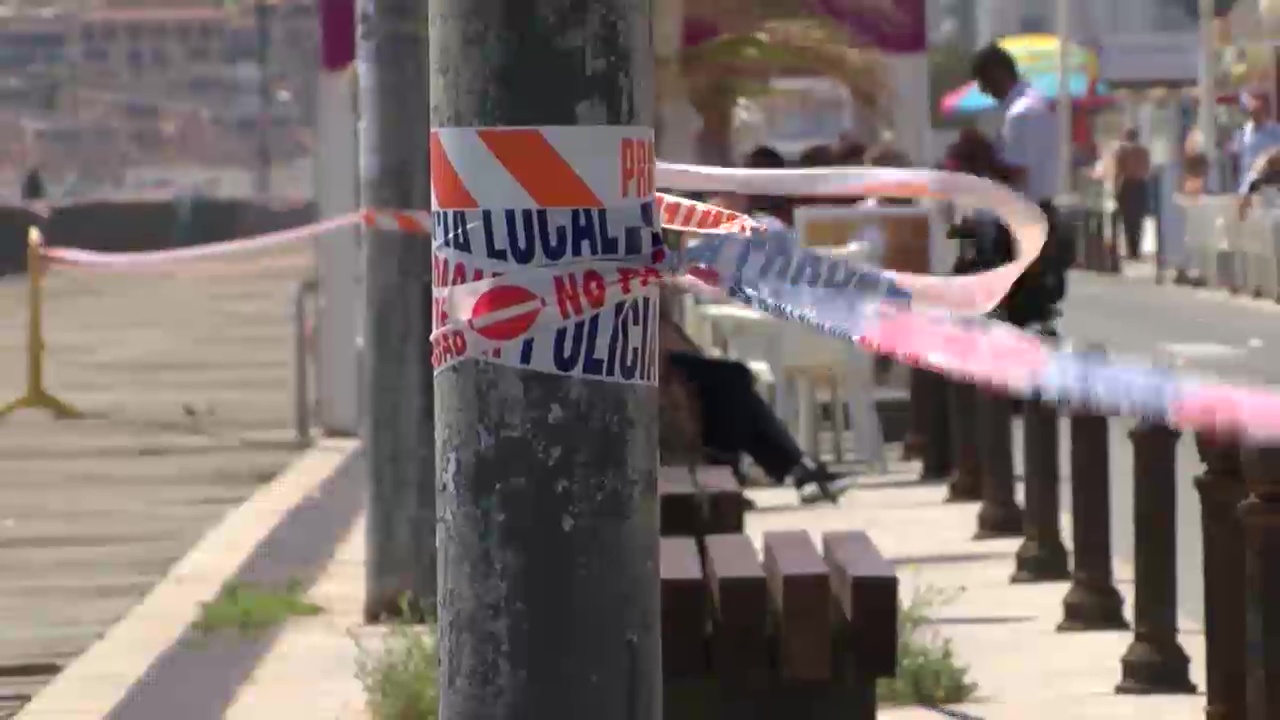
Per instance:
x=1065, y=164
x=1205, y=94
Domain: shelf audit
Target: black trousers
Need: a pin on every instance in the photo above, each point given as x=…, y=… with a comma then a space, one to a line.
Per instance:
x=735, y=419
x=1131, y=201
x=1034, y=295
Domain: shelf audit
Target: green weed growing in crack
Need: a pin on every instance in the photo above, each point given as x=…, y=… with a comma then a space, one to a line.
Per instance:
x=250, y=608
x=928, y=671
x=399, y=675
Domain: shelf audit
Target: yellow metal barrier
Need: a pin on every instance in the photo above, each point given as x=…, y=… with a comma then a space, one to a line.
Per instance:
x=36, y=397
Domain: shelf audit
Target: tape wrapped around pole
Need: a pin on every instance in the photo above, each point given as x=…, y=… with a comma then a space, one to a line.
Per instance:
x=933, y=322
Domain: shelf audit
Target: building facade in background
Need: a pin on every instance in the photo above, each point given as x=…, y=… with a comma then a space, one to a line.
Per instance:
x=89, y=88
x=1139, y=42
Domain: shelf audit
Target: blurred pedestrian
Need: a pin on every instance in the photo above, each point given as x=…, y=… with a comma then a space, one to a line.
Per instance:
x=818, y=156
x=850, y=151
x=1265, y=174
x=815, y=157
x=1259, y=134
x=1195, y=164
x=1131, y=168
x=773, y=211
x=988, y=244
x=33, y=188
x=35, y=195
x=1029, y=153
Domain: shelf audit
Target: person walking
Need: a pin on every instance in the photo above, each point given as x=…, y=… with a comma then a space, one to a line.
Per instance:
x=1265, y=174
x=1131, y=165
x=35, y=196
x=1029, y=156
x=33, y=189
x=1256, y=137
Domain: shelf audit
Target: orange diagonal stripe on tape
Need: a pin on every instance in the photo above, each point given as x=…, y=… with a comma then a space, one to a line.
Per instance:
x=451, y=193
x=539, y=169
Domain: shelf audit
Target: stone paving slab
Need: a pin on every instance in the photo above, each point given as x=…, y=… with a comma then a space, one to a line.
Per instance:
x=186, y=375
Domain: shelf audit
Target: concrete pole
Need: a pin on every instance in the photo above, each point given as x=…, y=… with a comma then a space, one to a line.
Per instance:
x=339, y=254
x=391, y=56
x=548, y=515
x=1065, y=165
x=1206, y=95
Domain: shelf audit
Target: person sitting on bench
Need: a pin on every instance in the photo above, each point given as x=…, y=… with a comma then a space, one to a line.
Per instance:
x=716, y=401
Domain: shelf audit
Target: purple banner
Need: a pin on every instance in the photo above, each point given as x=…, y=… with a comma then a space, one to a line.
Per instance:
x=892, y=26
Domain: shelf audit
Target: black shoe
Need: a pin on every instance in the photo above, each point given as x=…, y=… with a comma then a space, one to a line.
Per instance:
x=813, y=482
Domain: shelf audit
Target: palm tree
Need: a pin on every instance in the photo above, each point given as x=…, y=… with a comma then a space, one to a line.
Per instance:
x=719, y=71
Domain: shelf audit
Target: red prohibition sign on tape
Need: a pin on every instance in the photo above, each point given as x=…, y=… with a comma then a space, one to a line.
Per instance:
x=499, y=315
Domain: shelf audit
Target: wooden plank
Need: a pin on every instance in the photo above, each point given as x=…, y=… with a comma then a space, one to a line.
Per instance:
x=740, y=606
x=684, y=608
x=679, y=507
x=800, y=594
x=865, y=588
x=723, y=504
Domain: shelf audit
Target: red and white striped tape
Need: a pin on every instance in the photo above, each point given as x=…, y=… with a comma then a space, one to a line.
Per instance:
x=146, y=258
x=984, y=352
x=678, y=214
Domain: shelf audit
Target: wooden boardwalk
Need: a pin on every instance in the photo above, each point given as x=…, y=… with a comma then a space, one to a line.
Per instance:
x=186, y=375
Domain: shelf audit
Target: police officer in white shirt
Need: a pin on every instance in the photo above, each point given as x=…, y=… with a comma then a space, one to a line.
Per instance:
x=1028, y=146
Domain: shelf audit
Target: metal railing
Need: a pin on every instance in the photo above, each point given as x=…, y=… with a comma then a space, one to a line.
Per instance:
x=1220, y=248
x=303, y=296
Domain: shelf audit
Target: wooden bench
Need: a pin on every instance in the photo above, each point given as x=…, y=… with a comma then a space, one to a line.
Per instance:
x=784, y=632
x=707, y=501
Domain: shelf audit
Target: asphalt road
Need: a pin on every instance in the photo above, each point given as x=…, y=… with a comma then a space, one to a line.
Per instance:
x=1198, y=331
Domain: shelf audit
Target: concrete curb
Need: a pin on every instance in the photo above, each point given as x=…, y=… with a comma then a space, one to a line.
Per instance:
x=101, y=677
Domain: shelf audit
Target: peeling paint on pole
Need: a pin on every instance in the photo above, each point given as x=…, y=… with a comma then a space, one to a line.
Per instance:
x=547, y=513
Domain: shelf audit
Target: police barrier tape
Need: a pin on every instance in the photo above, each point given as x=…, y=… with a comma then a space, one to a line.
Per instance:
x=142, y=258
x=506, y=272
x=926, y=321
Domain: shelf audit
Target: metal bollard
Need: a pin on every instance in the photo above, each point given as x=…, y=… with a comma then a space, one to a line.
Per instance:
x=1261, y=516
x=999, y=516
x=1155, y=662
x=301, y=378
x=1222, y=489
x=1041, y=556
x=937, y=458
x=913, y=443
x=1092, y=602
x=966, y=479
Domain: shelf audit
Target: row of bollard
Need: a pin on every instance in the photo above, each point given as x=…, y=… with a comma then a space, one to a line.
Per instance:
x=1240, y=513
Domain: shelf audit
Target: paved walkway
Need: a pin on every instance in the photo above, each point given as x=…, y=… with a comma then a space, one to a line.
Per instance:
x=186, y=376
x=311, y=668
x=1003, y=632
